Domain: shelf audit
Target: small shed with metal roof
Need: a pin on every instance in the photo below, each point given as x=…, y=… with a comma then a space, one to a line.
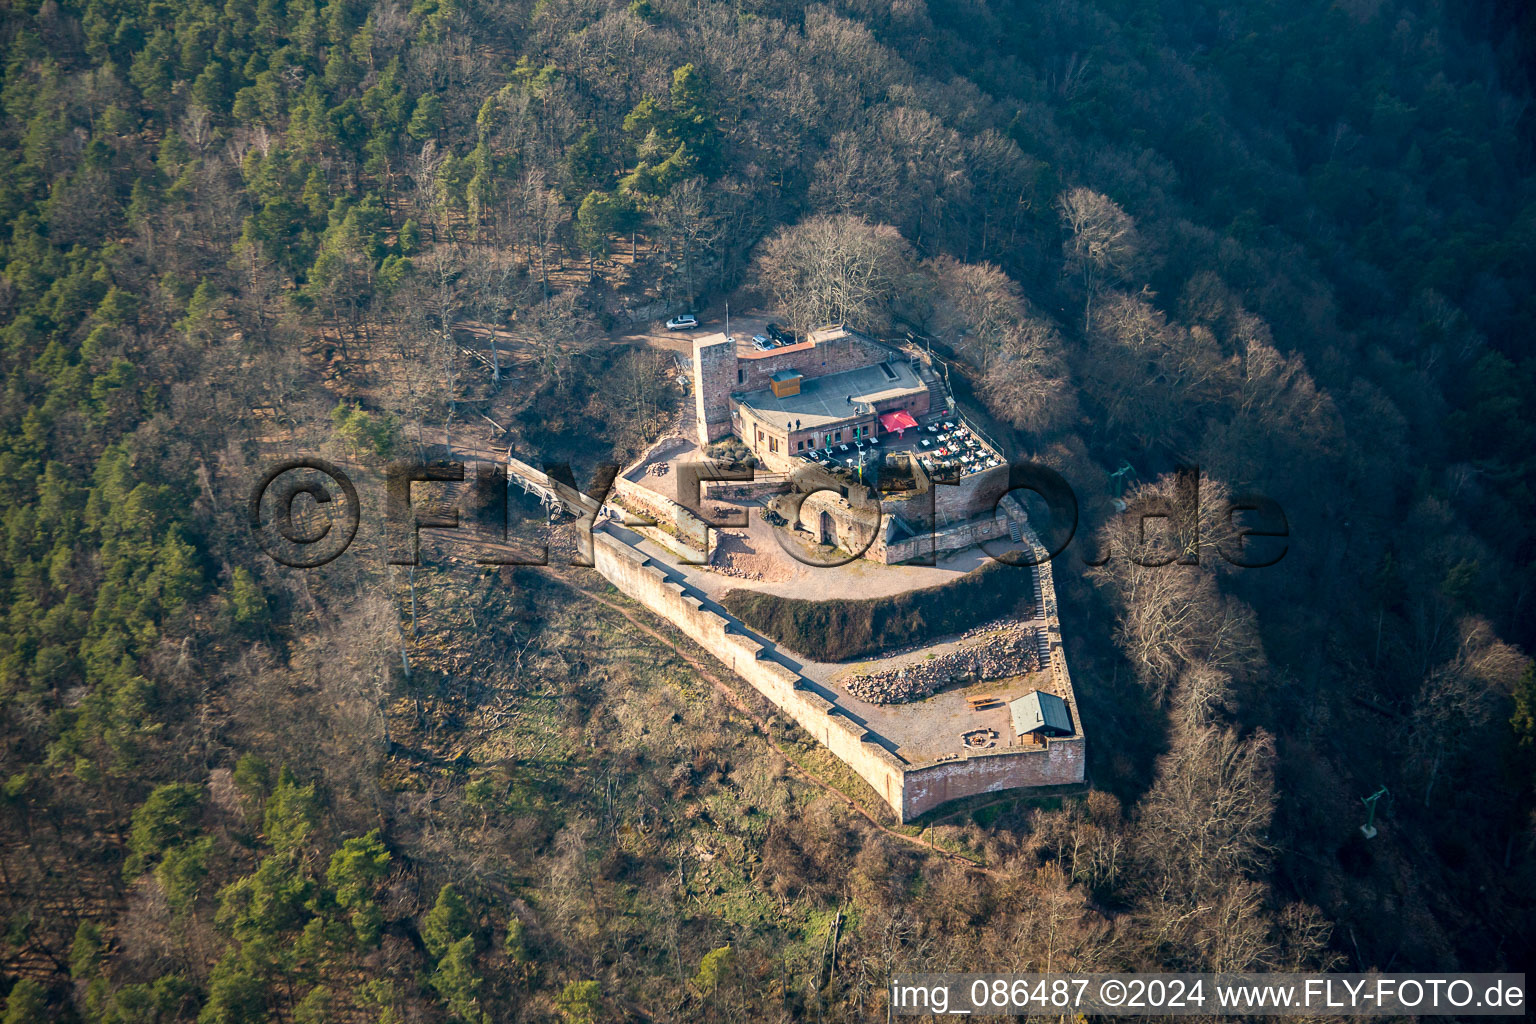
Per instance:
x=1043, y=713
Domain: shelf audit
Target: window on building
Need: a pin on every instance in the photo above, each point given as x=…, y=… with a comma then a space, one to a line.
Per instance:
x=800, y=446
x=773, y=444
x=839, y=437
x=741, y=376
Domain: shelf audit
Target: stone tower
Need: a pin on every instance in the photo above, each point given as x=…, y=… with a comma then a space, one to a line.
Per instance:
x=714, y=375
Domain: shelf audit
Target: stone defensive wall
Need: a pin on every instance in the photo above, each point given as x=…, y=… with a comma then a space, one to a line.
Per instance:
x=974, y=496
x=942, y=541
x=909, y=789
x=653, y=586
x=1060, y=677
x=932, y=519
x=670, y=517
x=763, y=485
x=831, y=350
x=1058, y=763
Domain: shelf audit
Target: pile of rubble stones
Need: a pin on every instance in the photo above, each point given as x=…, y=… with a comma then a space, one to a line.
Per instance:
x=1008, y=652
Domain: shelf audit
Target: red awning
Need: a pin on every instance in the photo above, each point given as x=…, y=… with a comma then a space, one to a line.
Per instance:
x=897, y=421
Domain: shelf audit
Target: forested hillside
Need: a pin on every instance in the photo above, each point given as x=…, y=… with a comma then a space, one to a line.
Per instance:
x=1290, y=242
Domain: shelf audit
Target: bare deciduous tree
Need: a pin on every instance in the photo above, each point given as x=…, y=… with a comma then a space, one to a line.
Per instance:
x=983, y=314
x=694, y=229
x=1204, y=823
x=854, y=177
x=1175, y=616
x=1456, y=698
x=1101, y=245
x=1154, y=379
x=834, y=269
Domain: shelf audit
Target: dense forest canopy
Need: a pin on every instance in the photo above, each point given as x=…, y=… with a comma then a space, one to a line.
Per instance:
x=1289, y=242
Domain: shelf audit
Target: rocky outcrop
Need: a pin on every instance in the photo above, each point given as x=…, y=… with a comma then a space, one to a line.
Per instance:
x=1000, y=653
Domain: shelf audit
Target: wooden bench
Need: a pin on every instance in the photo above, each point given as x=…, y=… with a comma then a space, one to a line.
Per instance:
x=977, y=703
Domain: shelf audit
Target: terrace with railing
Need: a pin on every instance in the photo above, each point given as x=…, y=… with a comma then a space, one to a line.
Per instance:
x=944, y=444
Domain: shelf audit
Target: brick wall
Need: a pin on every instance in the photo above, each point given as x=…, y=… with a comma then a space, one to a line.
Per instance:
x=1058, y=763
x=854, y=529
x=944, y=506
x=975, y=495
x=848, y=352
x=763, y=486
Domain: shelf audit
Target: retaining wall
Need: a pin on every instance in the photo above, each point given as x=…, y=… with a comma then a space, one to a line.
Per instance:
x=975, y=495
x=668, y=514
x=909, y=789
x=956, y=537
x=632, y=572
x=1059, y=762
x=764, y=485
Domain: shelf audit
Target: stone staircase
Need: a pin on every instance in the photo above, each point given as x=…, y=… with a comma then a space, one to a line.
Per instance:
x=938, y=395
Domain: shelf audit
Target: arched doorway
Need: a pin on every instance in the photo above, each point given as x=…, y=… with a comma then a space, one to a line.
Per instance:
x=828, y=529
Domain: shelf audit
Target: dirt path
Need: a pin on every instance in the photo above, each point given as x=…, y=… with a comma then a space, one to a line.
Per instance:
x=730, y=693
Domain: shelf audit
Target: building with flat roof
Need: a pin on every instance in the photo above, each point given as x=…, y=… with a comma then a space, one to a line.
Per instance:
x=832, y=388
x=796, y=414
